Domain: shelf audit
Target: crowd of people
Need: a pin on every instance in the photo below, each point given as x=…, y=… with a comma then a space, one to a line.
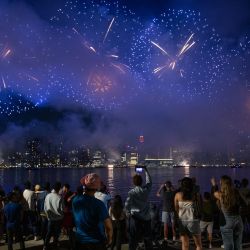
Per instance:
x=93, y=220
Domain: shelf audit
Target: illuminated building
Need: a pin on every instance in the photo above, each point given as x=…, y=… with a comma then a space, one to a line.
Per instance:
x=33, y=152
x=159, y=162
x=141, y=139
x=133, y=159
x=98, y=160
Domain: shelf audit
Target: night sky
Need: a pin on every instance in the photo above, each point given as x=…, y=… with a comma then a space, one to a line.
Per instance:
x=104, y=73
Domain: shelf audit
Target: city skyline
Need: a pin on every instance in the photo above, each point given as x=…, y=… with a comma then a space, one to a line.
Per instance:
x=101, y=74
x=37, y=153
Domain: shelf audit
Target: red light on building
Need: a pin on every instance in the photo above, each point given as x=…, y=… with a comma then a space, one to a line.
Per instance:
x=141, y=139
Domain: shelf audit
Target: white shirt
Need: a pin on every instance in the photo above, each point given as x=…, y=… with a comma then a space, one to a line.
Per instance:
x=53, y=206
x=105, y=198
x=29, y=196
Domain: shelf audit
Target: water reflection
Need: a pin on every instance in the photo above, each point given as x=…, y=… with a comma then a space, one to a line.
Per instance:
x=110, y=179
x=1, y=175
x=19, y=178
x=186, y=171
x=118, y=180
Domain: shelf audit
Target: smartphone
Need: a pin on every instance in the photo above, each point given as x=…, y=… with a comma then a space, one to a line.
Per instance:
x=138, y=169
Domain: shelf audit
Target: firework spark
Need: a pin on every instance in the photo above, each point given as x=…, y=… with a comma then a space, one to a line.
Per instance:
x=32, y=78
x=159, y=47
x=186, y=46
x=3, y=81
x=6, y=52
x=100, y=83
x=119, y=67
x=172, y=64
x=108, y=30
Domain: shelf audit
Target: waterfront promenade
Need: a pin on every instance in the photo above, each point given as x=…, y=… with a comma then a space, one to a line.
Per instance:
x=64, y=245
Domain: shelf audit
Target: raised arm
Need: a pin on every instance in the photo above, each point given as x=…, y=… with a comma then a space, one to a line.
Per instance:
x=148, y=179
x=214, y=187
x=217, y=195
x=128, y=205
x=176, y=204
x=158, y=194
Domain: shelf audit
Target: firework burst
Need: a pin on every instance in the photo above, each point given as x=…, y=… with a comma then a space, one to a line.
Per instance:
x=105, y=77
x=173, y=60
x=101, y=82
x=185, y=55
x=24, y=60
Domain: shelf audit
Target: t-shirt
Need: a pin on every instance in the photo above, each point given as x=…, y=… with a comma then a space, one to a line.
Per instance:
x=54, y=206
x=245, y=195
x=40, y=199
x=89, y=214
x=67, y=204
x=29, y=196
x=207, y=212
x=105, y=198
x=168, y=200
x=12, y=212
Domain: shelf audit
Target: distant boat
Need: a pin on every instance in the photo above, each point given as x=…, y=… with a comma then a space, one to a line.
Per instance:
x=29, y=167
x=159, y=162
x=236, y=166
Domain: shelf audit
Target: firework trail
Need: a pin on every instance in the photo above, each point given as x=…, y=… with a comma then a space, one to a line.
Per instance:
x=159, y=47
x=186, y=46
x=32, y=77
x=108, y=30
x=173, y=61
x=4, y=54
x=3, y=81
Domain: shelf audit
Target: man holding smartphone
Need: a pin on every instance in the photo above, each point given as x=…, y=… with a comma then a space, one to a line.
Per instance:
x=138, y=210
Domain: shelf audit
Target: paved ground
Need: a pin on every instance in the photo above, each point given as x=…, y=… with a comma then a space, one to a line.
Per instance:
x=38, y=245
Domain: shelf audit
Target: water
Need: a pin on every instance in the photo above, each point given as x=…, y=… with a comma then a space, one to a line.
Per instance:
x=118, y=180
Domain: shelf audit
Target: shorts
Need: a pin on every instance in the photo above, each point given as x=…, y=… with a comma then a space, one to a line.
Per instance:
x=189, y=227
x=207, y=225
x=167, y=217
